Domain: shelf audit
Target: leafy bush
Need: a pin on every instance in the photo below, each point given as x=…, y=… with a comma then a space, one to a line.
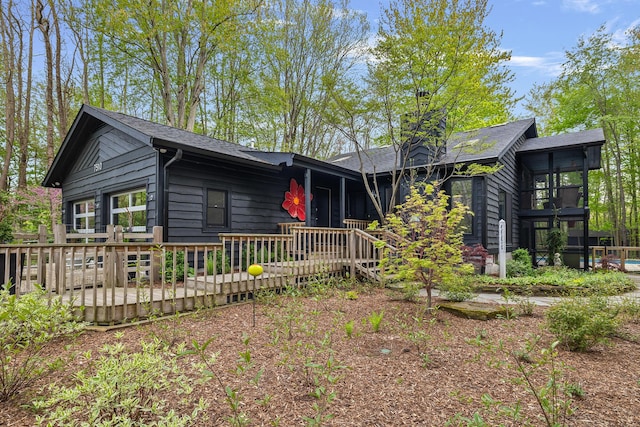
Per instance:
x=458, y=288
x=565, y=280
x=610, y=262
x=124, y=389
x=28, y=324
x=264, y=254
x=521, y=255
x=518, y=268
x=178, y=273
x=6, y=217
x=218, y=263
x=581, y=323
x=520, y=264
x=475, y=255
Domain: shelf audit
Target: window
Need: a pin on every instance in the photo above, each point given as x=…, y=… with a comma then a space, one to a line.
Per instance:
x=130, y=210
x=84, y=216
x=462, y=192
x=217, y=215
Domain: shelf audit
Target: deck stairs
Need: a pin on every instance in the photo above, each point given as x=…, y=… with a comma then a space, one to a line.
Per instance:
x=370, y=248
x=369, y=270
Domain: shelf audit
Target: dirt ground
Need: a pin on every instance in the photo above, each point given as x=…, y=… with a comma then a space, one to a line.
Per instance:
x=419, y=369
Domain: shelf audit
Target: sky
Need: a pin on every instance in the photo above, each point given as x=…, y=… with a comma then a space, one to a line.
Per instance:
x=539, y=32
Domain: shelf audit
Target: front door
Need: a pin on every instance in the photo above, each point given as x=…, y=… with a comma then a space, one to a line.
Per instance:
x=322, y=210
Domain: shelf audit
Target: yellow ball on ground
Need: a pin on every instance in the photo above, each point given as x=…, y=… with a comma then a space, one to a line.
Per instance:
x=255, y=270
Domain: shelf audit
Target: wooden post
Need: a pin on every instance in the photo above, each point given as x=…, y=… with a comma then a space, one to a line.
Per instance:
x=59, y=238
x=42, y=233
x=109, y=262
x=41, y=269
x=352, y=253
x=117, y=258
x=156, y=255
x=502, y=248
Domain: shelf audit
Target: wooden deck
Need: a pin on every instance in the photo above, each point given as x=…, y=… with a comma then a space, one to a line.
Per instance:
x=111, y=283
x=104, y=305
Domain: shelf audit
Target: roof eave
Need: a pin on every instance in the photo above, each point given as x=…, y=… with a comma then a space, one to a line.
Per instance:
x=57, y=170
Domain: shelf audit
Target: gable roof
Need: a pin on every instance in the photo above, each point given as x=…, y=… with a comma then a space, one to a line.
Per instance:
x=564, y=141
x=156, y=135
x=485, y=145
x=482, y=146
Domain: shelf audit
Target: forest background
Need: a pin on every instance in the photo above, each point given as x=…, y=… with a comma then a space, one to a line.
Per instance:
x=295, y=75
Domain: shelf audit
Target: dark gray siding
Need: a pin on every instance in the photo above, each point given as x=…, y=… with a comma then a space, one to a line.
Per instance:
x=255, y=199
x=506, y=179
x=124, y=164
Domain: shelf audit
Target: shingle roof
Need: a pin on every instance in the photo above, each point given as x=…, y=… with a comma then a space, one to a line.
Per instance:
x=157, y=135
x=481, y=145
x=173, y=135
x=565, y=140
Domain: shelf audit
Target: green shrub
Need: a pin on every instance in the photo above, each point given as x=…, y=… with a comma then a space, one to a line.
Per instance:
x=123, y=389
x=521, y=255
x=28, y=324
x=265, y=254
x=177, y=272
x=218, y=263
x=566, y=280
x=581, y=323
x=458, y=288
x=520, y=264
x=515, y=268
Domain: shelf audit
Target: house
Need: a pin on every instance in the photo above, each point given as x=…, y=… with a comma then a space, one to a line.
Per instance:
x=118, y=169
x=542, y=183
x=121, y=170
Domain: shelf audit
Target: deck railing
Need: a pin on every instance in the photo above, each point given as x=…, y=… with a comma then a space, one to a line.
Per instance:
x=111, y=282
x=360, y=224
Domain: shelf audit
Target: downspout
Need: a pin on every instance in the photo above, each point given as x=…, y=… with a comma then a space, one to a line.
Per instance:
x=165, y=191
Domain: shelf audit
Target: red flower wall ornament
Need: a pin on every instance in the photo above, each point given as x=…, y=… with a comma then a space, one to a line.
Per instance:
x=294, y=201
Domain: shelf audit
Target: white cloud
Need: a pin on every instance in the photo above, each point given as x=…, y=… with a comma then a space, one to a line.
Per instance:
x=588, y=6
x=550, y=65
x=619, y=36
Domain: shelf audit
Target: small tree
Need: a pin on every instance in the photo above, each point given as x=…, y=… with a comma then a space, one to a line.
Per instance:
x=430, y=250
x=556, y=241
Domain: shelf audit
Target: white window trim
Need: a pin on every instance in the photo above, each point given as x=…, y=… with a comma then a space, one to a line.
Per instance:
x=114, y=211
x=86, y=215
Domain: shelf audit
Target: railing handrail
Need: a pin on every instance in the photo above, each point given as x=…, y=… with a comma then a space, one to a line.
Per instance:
x=256, y=235
x=615, y=248
x=356, y=223
x=372, y=239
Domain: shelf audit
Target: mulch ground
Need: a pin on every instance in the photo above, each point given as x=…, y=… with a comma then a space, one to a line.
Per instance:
x=421, y=368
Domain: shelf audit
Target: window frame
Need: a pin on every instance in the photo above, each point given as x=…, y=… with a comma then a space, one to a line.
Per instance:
x=469, y=217
x=89, y=212
x=226, y=209
x=130, y=208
